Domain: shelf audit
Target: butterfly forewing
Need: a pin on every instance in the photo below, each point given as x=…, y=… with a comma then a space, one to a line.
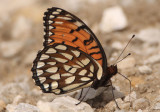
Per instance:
x=63, y=27
x=60, y=69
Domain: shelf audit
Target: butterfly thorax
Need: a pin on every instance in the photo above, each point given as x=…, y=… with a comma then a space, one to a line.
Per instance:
x=111, y=71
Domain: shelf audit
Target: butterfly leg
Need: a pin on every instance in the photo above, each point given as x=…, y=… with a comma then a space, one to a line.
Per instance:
x=80, y=96
x=84, y=96
x=113, y=95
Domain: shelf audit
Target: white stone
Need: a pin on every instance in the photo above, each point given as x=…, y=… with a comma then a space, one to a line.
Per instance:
x=149, y=35
x=64, y=104
x=129, y=62
x=21, y=29
x=113, y=19
x=153, y=59
x=21, y=107
x=140, y=104
x=139, y=110
x=157, y=106
x=11, y=48
x=145, y=69
x=131, y=97
x=96, y=1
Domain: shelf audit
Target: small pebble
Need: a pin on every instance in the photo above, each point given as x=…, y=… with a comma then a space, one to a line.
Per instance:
x=113, y=19
x=131, y=97
x=140, y=104
x=153, y=59
x=64, y=104
x=157, y=106
x=21, y=107
x=145, y=69
x=146, y=34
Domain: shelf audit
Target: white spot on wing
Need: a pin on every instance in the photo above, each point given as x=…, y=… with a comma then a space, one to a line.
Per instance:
x=65, y=18
x=99, y=72
x=55, y=12
x=90, y=75
x=69, y=80
x=50, y=21
x=54, y=85
x=76, y=66
x=61, y=47
x=61, y=60
x=66, y=74
x=42, y=79
x=51, y=16
x=59, y=10
x=57, y=91
x=45, y=85
x=73, y=70
x=78, y=23
x=51, y=63
x=85, y=79
x=92, y=68
x=39, y=72
x=83, y=72
x=51, y=50
x=49, y=40
x=50, y=33
x=85, y=61
x=43, y=56
x=51, y=27
x=59, y=22
x=40, y=64
x=66, y=67
x=76, y=53
x=79, y=63
x=55, y=76
x=52, y=69
x=67, y=56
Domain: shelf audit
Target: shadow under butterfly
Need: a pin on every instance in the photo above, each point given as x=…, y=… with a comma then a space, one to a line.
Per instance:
x=72, y=57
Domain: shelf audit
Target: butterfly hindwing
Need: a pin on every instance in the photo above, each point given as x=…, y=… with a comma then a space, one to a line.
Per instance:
x=64, y=27
x=60, y=69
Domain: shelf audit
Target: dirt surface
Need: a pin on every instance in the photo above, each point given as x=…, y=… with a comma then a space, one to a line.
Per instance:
x=21, y=36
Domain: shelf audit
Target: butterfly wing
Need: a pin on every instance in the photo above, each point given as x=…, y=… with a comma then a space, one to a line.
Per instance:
x=60, y=69
x=64, y=27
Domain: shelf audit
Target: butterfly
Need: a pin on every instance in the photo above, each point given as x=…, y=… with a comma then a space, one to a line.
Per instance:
x=72, y=57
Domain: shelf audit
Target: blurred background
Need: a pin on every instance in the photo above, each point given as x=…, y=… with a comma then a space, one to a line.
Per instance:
x=113, y=21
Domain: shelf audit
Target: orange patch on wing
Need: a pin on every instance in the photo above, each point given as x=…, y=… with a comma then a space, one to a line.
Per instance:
x=59, y=40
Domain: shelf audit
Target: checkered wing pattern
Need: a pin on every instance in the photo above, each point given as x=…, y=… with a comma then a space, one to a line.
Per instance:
x=60, y=68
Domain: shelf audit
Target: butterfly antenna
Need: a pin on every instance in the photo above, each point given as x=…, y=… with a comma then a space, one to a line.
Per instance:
x=129, y=86
x=123, y=58
x=114, y=96
x=124, y=48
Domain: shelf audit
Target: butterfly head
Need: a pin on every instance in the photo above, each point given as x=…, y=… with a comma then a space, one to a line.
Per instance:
x=112, y=70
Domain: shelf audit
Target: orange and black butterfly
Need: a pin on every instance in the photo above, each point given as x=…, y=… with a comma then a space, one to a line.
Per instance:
x=72, y=57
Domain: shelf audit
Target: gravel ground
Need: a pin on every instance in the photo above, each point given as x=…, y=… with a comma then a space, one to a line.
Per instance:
x=114, y=22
